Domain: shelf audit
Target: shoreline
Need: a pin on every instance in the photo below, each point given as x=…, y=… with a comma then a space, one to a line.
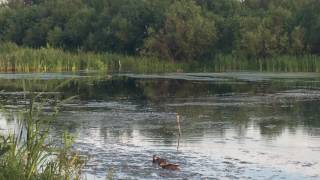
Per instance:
x=23, y=59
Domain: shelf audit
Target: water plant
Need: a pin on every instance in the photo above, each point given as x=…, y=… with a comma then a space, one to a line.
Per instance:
x=23, y=59
x=28, y=152
x=224, y=63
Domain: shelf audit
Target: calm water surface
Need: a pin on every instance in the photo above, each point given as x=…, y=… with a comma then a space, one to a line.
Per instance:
x=234, y=125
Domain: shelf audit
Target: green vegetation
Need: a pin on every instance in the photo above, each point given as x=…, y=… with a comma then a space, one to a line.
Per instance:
x=284, y=63
x=186, y=35
x=47, y=59
x=30, y=154
x=13, y=58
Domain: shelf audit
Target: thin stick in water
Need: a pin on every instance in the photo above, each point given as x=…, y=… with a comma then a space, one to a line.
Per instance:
x=179, y=130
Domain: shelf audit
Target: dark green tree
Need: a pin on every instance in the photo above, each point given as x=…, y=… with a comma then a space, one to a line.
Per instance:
x=188, y=33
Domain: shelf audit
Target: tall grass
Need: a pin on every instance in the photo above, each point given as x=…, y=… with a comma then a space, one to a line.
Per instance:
x=22, y=59
x=14, y=58
x=150, y=65
x=29, y=154
x=223, y=63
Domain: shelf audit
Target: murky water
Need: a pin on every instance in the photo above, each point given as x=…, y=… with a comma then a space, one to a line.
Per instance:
x=234, y=125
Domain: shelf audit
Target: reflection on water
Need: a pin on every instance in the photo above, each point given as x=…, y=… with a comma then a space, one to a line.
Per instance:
x=234, y=125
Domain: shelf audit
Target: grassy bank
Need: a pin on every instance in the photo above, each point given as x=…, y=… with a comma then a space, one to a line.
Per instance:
x=20, y=59
x=306, y=63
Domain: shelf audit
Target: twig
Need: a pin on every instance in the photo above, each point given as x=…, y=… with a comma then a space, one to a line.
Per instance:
x=179, y=130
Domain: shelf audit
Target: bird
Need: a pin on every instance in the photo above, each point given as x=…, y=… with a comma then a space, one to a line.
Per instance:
x=163, y=163
x=157, y=160
x=169, y=166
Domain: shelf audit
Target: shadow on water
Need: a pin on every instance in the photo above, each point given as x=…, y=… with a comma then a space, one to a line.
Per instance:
x=234, y=125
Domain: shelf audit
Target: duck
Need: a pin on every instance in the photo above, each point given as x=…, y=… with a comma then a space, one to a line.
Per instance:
x=163, y=163
x=170, y=166
x=157, y=160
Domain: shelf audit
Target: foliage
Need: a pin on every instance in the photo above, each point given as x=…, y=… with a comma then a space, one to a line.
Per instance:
x=13, y=58
x=180, y=30
x=29, y=153
x=17, y=59
x=188, y=33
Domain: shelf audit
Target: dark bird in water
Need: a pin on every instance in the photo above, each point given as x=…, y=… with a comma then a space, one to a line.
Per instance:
x=164, y=163
x=157, y=160
x=169, y=166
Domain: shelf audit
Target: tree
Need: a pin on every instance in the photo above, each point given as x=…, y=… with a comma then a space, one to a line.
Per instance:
x=172, y=29
x=298, y=46
x=188, y=33
x=309, y=19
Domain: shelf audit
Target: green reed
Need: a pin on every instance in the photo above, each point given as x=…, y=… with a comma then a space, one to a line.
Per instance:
x=19, y=59
x=223, y=63
x=30, y=154
x=23, y=59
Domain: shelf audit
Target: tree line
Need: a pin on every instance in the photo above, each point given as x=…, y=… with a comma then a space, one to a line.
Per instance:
x=179, y=30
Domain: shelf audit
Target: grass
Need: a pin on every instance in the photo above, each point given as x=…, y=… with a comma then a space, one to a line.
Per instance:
x=29, y=153
x=18, y=59
x=23, y=59
x=306, y=63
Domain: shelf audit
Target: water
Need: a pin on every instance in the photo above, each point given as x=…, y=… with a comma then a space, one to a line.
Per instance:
x=234, y=125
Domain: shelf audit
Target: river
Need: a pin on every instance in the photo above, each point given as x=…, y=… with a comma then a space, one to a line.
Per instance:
x=237, y=125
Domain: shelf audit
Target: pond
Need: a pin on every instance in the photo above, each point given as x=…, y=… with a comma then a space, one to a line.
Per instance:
x=237, y=125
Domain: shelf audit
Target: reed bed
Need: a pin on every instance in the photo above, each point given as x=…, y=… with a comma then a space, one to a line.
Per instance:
x=23, y=59
x=18, y=59
x=306, y=63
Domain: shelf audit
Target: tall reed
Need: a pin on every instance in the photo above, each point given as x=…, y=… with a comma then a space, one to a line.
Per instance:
x=285, y=63
x=19, y=59
x=29, y=154
x=23, y=59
